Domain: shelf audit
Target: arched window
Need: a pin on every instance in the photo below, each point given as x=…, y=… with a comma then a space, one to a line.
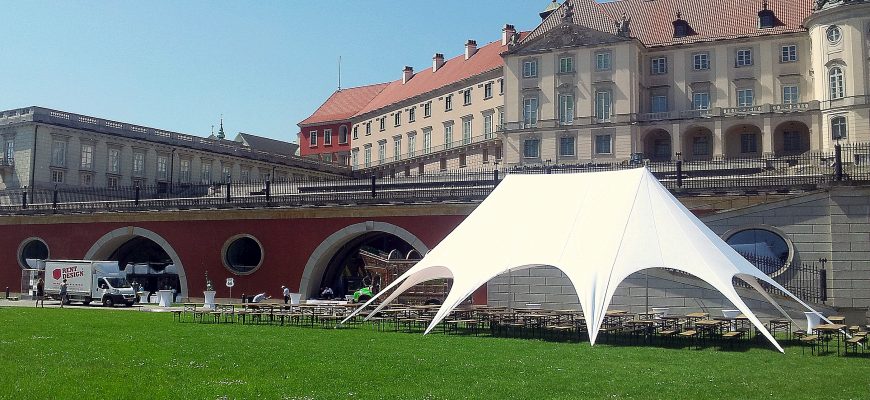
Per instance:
x=835, y=81
x=838, y=128
x=342, y=134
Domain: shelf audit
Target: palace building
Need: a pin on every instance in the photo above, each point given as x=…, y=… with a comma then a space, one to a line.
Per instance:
x=631, y=79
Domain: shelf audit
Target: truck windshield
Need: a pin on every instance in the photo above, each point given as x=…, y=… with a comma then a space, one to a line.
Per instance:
x=118, y=283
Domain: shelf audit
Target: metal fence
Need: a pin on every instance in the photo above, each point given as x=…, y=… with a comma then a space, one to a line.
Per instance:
x=806, y=171
x=807, y=281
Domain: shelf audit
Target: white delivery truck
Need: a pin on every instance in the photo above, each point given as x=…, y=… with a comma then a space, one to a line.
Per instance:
x=88, y=281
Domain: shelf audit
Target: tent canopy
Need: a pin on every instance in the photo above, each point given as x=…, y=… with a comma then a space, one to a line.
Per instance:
x=597, y=228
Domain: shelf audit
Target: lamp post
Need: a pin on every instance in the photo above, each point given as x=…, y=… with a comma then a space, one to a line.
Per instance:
x=838, y=158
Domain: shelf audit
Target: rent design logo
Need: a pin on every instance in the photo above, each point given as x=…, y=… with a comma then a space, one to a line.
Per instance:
x=67, y=273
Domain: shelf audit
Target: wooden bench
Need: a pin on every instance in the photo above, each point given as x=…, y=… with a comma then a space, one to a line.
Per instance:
x=854, y=342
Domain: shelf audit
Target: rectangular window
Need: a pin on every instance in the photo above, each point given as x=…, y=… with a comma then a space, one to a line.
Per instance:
x=397, y=148
x=412, y=114
x=790, y=95
x=701, y=145
x=466, y=131
x=226, y=173
x=162, y=168
x=487, y=90
x=112, y=182
x=701, y=100
x=744, y=58
x=448, y=102
x=791, y=141
x=87, y=180
x=748, y=143
x=397, y=118
x=56, y=176
x=566, y=65
x=412, y=145
x=566, y=146
x=368, y=128
x=354, y=158
x=427, y=142
x=530, y=68
x=87, y=157
x=58, y=153
x=659, y=104
x=487, y=126
x=745, y=97
x=184, y=171
x=382, y=151
x=602, y=61
x=312, y=139
x=788, y=53
x=427, y=109
x=327, y=137
x=659, y=66
x=501, y=86
x=701, y=61
x=383, y=123
x=530, y=112
x=602, y=105
x=114, y=166
x=138, y=163
x=448, y=136
x=356, y=132
x=9, y=151
x=368, y=157
x=342, y=135
x=205, y=172
x=532, y=148
x=603, y=144
x=566, y=109
x=466, y=97
x=245, y=174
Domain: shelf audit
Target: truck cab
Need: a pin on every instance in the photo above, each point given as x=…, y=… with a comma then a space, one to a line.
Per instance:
x=111, y=290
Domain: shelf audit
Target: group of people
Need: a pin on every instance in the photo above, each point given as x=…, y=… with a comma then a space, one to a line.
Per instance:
x=40, y=293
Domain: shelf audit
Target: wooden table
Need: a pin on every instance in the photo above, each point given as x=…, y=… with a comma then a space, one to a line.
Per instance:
x=828, y=330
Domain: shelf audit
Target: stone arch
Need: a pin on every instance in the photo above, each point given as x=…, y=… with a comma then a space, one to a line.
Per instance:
x=743, y=141
x=791, y=138
x=320, y=257
x=657, y=145
x=109, y=242
x=697, y=144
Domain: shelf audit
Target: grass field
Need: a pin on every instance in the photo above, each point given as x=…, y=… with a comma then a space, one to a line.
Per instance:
x=102, y=354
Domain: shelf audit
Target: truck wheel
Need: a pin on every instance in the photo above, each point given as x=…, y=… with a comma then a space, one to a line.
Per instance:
x=87, y=301
x=107, y=301
x=129, y=304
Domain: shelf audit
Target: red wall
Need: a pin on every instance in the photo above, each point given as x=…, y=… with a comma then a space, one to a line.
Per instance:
x=305, y=139
x=287, y=245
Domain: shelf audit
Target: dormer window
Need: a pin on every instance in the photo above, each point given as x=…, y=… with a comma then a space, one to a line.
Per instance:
x=682, y=27
x=766, y=18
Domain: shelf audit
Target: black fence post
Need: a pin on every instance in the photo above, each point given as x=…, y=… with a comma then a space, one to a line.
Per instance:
x=136, y=195
x=838, y=162
x=679, y=173
x=268, y=190
x=24, y=198
x=54, y=198
x=823, y=284
x=374, y=180
x=229, y=188
x=495, y=175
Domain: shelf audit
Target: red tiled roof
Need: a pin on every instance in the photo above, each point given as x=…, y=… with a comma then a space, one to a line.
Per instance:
x=652, y=20
x=487, y=58
x=344, y=103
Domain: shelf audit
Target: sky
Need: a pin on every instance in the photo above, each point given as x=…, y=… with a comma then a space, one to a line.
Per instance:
x=263, y=65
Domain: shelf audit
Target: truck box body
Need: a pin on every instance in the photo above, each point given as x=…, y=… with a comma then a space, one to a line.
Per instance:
x=88, y=281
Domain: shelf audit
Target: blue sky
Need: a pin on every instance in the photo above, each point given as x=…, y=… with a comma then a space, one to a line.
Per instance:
x=264, y=65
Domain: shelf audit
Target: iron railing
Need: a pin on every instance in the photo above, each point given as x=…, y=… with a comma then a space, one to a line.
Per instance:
x=806, y=280
x=807, y=171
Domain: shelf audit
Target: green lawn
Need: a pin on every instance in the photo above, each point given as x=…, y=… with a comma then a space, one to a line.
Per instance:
x=99, y=354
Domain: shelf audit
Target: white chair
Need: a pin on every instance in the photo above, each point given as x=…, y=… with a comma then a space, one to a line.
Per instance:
x=814, y=319
x=660, y=312
x=730, y=313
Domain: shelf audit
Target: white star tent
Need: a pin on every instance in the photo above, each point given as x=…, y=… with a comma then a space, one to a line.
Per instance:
x=597, y=228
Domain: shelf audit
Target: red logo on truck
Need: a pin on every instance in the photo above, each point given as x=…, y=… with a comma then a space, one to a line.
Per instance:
x=56, y=273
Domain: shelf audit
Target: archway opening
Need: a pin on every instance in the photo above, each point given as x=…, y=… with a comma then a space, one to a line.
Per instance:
x=743, y=141
x=791, y=138
x=698, y=144
x=146, y=264
x=657, y=145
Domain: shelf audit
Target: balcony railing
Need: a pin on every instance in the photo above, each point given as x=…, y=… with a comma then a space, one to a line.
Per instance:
x=487, y=137
x=742, y=110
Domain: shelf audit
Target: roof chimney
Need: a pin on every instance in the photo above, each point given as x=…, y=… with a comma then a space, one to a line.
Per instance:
x=407, y=73
x=470, y=48
x=506, y=33
x=437, y=61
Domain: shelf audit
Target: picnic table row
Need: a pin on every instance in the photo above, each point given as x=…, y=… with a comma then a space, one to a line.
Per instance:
x=694, y=329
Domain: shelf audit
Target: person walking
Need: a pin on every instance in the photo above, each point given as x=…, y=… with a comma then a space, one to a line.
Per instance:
x=286, y=292
x=63, y=295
